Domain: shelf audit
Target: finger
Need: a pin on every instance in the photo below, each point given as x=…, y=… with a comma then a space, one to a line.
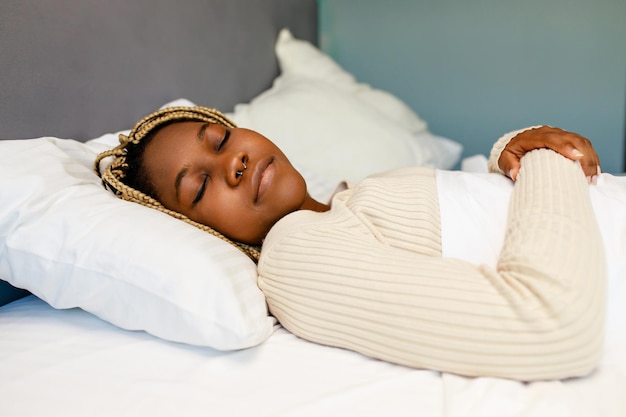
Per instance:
x=570, y=146
x=590, y=163
x=575, y=154
x=576, y=148
x=592, y=178
x=591, y=170
x=509, y=164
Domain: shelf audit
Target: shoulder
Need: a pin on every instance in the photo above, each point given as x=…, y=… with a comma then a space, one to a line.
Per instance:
x=297, y=228
x=393, y=187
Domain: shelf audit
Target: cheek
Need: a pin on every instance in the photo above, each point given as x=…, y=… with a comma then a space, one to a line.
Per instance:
x=291, y=192
x=234, y=219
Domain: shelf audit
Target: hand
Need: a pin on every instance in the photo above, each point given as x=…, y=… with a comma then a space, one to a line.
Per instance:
x=570, y=145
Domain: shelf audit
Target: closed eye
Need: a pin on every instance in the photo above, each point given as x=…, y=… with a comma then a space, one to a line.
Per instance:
x=224, y=139
x=200, y=191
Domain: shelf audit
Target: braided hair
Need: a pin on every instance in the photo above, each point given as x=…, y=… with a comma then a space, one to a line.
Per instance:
x=126, y=175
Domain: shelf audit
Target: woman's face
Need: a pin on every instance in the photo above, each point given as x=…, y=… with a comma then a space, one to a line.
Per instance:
x=233, y=180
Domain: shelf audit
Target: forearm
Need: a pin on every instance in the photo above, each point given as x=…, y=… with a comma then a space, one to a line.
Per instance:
x=552, y=262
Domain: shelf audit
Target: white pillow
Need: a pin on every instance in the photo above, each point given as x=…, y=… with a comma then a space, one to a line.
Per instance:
x=300, y=57
x=73, y=244
x=328, y=123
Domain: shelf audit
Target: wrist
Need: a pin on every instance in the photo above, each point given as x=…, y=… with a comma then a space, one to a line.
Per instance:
x=498, y=147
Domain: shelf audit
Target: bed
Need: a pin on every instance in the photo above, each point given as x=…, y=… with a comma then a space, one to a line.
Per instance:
x=101, y=313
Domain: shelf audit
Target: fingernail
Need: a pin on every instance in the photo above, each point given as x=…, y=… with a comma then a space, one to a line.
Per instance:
x=511, y=175
x=594, y=180
x=599, y=170
x=576, y=153
x=588, y=179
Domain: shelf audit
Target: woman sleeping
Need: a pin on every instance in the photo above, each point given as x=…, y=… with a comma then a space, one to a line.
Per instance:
x=365, y=271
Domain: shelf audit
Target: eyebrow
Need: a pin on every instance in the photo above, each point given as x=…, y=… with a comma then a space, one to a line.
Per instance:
x=179, y=179
x=185, y=170
x=201, y=131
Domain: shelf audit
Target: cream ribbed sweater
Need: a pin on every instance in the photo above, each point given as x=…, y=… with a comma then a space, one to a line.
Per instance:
x=368, y=276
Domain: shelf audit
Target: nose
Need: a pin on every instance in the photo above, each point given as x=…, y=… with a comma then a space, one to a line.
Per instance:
x=237, y=165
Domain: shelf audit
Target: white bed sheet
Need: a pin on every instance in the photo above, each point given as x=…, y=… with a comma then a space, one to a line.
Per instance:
x=70, y=363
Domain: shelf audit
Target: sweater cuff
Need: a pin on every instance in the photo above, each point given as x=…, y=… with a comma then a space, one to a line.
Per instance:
x=499, y=146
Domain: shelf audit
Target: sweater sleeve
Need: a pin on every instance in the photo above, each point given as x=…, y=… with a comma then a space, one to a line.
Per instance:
x=537, y=315
x=499, y=146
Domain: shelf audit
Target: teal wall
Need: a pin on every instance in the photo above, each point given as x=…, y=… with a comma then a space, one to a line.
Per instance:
x=474, y=69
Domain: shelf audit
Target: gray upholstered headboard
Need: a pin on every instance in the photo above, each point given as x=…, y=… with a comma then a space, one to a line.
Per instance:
x=80, y=68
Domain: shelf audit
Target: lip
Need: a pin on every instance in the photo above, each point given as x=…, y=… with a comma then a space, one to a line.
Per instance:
x=262, y=177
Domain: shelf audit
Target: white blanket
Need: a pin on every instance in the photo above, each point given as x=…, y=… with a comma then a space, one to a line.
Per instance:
x=474, y=212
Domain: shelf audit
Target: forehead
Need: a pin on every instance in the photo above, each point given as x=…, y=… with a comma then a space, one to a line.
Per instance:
x=186, y=130
x=178, y=135
x=182, y=128
x=170, y=146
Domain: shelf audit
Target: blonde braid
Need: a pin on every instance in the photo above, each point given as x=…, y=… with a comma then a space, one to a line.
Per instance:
x=114, y=174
